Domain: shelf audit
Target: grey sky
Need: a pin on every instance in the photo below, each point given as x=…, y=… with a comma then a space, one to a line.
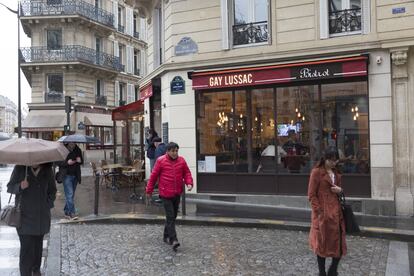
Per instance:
x=8, y=54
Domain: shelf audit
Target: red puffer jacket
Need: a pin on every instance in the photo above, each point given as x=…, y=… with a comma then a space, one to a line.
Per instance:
x=171, y=175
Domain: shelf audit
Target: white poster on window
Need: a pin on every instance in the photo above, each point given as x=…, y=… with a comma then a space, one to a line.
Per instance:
x=210, y=164
x=201, y=166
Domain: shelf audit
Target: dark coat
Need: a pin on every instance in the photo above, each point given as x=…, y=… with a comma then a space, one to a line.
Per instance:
x=63, y=166
x=36, y=200
x=151, y=147
x=327, y=233
x=160, y=150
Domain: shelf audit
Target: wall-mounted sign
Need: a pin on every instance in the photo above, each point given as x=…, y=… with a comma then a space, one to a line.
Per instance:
x=81, y=126
x=398, y=10
x=186, y=46
x=145, y=92
x=177, y=85
x=282, y=73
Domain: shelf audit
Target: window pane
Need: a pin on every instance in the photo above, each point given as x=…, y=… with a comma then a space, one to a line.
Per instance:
x=54, y=88
x=336, y=5
x=54, y=39
x=263, y=131
x=241, y=12
x=355, y=4
x=345, y=124
x=241, y=119
x=215, y=129
x=260, y=7
x=297, y=128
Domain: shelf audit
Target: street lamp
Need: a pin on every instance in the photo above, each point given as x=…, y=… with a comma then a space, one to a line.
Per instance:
x=19, y=100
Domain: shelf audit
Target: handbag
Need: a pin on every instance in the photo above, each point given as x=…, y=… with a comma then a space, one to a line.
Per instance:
x=11, y=214
x=351, y=225
x=58, y=177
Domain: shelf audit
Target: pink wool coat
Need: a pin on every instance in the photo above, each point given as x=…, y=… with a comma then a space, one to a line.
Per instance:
x=327, y=234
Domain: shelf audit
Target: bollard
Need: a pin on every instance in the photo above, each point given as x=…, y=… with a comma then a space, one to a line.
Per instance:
x=184, y=212
x=96, y=207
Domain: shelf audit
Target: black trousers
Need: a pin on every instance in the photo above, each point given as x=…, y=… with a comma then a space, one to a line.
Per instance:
x=171, y=210
x=31, y=248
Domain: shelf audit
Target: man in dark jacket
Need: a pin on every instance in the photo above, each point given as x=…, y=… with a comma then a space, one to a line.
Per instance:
x=160, y=148
x=71, y=174
x=36, y=194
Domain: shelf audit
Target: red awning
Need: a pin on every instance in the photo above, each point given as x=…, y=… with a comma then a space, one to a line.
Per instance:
x=292, y=72
x=145, y=92
x=128, y=111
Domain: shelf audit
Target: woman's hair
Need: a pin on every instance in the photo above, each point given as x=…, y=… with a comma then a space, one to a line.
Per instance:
x=152, y=132
x=327, y=155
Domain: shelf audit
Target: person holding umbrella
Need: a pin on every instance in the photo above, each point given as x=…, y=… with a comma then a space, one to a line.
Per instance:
x=33, y=183
x=70, y=172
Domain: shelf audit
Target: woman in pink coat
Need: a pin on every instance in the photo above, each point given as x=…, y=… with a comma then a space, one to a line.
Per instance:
x=172, y=172
x=327, y=234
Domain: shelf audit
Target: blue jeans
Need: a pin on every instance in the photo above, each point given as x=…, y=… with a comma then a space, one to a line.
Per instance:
x=69, y=186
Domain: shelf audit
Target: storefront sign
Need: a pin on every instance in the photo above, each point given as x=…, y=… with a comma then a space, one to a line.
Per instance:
x=186, y=46
x=145, y=92
x=315, y=70
x=177, y=85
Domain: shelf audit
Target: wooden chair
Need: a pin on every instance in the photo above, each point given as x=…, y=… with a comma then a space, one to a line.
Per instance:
x=106, y=174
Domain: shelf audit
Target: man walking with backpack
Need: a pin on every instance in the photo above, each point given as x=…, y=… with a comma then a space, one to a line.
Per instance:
x=172, y=172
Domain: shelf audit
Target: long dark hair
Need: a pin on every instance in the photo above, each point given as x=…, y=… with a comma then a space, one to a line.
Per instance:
x=327, y=155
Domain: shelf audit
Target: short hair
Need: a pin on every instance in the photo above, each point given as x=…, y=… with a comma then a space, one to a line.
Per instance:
x=157, y=139
x=172, y=145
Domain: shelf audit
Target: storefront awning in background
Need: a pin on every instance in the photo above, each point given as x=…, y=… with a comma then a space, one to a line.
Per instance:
x=128, y=111
x=282, y=73
x=96, y=119
x=44, y=120
x=145, y=92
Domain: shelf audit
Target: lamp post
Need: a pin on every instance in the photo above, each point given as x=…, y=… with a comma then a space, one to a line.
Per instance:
x=19, y=94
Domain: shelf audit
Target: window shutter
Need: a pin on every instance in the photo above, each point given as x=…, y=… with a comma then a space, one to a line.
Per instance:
x=116, y=93
x=131, y=60
x=224, y=25
x=130, y=93
x=128, y=57
x=324, y=19
x=116, y=49
x=115, y=12
x=366, y=16
x=129, y=19
x=142, y=69
x=142, y=29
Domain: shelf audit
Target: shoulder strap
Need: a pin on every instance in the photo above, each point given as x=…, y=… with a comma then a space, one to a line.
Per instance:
x=10, y=198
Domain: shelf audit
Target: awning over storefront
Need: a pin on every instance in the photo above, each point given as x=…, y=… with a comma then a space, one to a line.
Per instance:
x=145, y=92
x=96, y=119
x=282, y=73
x=44, y=120
x=128, y=111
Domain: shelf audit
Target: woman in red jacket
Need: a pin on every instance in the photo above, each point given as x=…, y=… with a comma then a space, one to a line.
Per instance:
x=171, y=171
x=327, y=234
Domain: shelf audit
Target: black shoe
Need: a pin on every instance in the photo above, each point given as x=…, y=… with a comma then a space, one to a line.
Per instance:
x=175, y=245
x=331, y=272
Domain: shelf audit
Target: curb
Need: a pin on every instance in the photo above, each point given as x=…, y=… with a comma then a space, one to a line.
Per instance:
x=371, y=232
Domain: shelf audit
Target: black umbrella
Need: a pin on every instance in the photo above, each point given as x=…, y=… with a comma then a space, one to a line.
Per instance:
x=79, y=138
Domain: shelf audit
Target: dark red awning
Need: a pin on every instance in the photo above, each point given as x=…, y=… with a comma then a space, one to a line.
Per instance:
x=292, y=72
x=128, y=111
x=145, y=92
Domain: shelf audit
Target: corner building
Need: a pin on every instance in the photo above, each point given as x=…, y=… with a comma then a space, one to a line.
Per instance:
x=254, y=91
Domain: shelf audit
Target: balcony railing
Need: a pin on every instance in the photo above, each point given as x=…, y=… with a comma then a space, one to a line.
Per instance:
x=121, y=28
x=136, y=71
x=71, y=53
x=345, y=21
x=67, y=7
x=136, y=35
x=250, y=33
x=122, y=103
x=100, y=100
x=54, y=97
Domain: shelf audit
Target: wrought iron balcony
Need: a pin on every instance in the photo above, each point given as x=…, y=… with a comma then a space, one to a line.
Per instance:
x=250, y=33
x=122, y=103
x=136, y=71
x=100, y=100
x=54, y=97
x=345, y=21
x=121, y=28
x=71, y=53
x=136, y=34
x=67, y=7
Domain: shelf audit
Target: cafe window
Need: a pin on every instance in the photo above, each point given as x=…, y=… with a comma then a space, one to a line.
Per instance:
x=283, y=130
x=104, y=135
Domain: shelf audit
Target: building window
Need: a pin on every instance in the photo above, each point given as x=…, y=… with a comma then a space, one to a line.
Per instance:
x=121, y=55
x=121, y=25
x=122, y=96
x=284, y=130
x=100, y=98
x=250, y=21
x=54, y=39
x=345, y=16
x=54, y=92
x=136, y=93
x=136, y=62
x=104, y=134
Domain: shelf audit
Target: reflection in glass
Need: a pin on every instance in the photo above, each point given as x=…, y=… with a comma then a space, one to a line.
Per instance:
x=242, y=124
x=345, y=124
x=297, y=128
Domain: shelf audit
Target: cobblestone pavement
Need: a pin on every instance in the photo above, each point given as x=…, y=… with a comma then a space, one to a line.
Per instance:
x=138, y=250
